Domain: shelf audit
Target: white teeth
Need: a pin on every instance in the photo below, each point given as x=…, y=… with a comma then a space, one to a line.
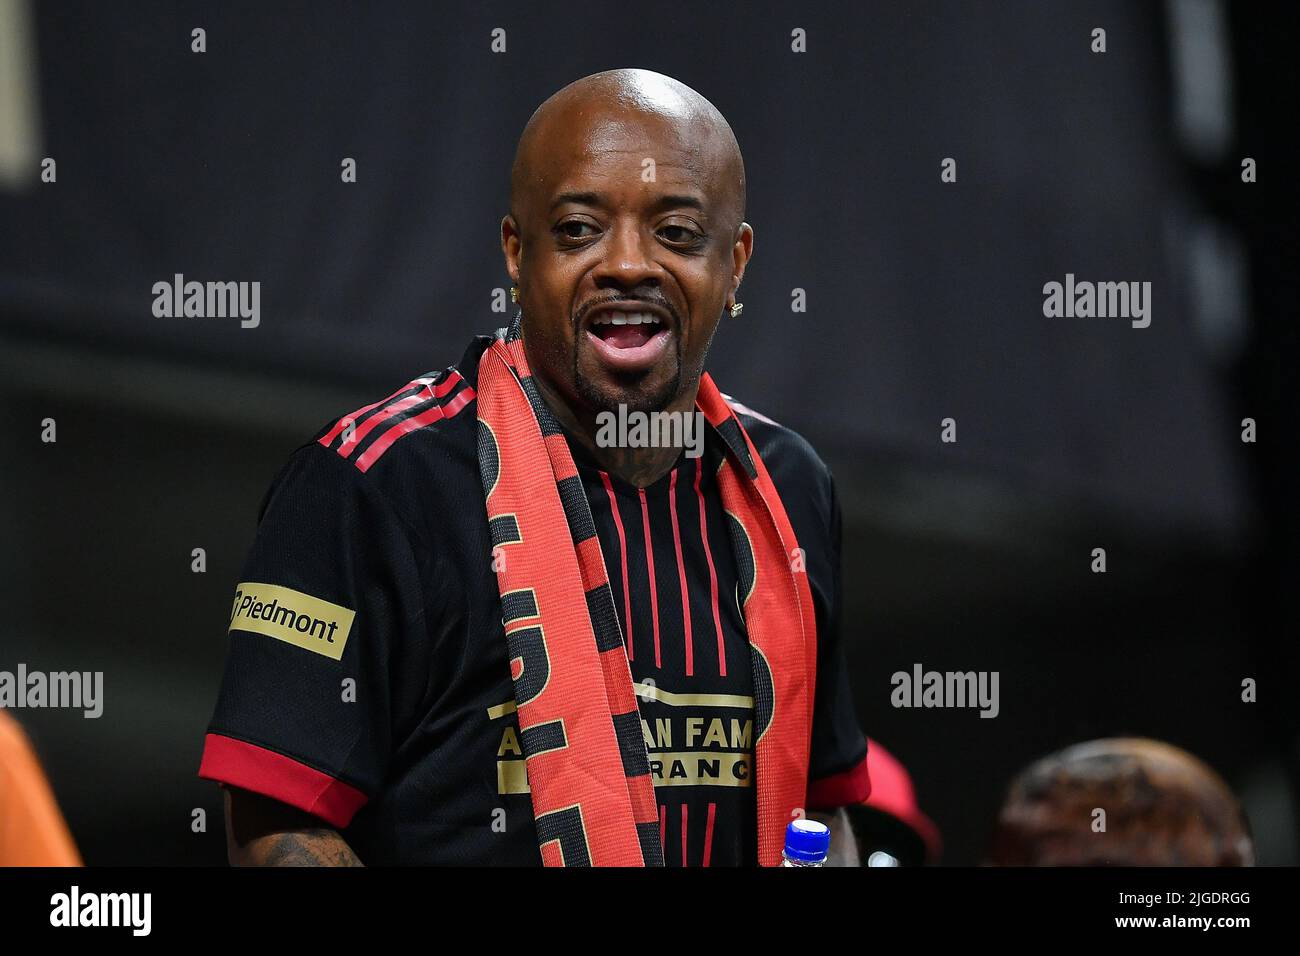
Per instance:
x=625, y=318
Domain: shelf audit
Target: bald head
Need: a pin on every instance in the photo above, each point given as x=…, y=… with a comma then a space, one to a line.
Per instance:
x=627, y=195
x=1163, y=807
x=590, y=113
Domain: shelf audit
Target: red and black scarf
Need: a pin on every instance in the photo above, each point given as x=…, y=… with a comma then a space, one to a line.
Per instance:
x=586, y=760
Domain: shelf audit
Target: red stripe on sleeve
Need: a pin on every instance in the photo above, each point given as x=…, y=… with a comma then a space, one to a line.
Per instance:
x=445, y=387
x=380, y=445
x=250, y=767
x=348, y=446
x=328, y=438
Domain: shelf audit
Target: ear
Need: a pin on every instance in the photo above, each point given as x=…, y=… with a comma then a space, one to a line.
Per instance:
x=741, y=251
x=511, y=243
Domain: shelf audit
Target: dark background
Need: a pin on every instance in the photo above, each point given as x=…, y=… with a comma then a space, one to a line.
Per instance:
x=924, y=302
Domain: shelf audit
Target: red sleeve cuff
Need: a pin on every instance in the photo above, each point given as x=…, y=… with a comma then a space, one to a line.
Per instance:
x=250, y=767
x=844, y=789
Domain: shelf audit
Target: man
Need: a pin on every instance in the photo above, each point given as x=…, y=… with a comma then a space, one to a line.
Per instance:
x=475, y=629
x=1162, y=807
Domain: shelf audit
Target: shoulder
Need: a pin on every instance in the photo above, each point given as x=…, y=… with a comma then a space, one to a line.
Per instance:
x=802, y=478
x=409, y=446
x=429, y=409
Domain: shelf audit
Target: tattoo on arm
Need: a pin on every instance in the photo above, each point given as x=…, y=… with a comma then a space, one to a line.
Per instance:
x=265, y=832
x=318, y=847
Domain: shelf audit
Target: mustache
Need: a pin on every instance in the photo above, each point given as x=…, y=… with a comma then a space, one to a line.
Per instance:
x=596, y=304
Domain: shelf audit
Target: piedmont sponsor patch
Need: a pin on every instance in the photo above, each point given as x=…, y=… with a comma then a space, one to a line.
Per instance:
x=293, y=617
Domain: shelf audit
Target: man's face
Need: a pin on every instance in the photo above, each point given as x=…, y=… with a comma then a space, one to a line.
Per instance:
x=625, y=251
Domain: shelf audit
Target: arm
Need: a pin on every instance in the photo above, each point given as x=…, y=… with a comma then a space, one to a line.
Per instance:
x=265, y=832
x=329, y=547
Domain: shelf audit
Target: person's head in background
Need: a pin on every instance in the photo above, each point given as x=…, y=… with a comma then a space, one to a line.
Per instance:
x=1124, y=801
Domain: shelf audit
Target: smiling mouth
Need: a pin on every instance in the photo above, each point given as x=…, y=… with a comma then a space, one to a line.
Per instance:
x=626, y=340
x=625, y=330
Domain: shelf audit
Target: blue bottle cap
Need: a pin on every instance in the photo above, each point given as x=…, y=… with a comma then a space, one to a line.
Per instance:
x=807, y=840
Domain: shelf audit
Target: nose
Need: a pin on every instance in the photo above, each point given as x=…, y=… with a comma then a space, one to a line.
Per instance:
x=628, y=259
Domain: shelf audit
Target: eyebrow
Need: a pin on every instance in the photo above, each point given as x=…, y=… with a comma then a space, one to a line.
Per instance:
x=599, y=199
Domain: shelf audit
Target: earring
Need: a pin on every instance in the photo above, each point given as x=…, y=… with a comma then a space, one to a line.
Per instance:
x=736, y=309
x=514, y=293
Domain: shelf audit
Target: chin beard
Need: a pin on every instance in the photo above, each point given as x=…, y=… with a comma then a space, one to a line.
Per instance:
x=636, y=395
x=636, y=398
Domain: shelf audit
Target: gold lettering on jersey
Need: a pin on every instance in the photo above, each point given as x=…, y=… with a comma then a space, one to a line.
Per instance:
x=714, y=732
x=512, y=777
x=293, y=617
x=701, y=768
x=651, y=692
x=510, y=744
x=661, y=736
x=718, y=749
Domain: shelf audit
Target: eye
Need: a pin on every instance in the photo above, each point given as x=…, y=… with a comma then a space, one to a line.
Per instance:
x=679, y=235
x=572, y=229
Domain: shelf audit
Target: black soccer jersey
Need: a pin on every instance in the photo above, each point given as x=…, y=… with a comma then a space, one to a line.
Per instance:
x=673, y=575
x=367, y=680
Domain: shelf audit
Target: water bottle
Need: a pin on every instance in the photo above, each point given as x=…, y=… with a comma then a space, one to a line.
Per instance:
x=807, y=843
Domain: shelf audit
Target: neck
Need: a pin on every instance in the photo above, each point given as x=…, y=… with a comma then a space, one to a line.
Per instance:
x=636, y=466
